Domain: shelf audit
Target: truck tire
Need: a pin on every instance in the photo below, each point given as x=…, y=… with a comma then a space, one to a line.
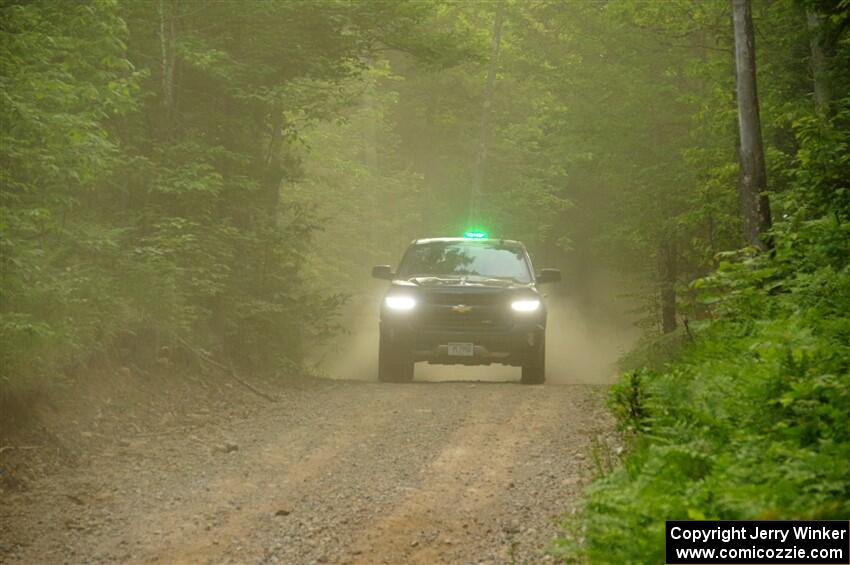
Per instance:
x=534, y=370
x=394, y=366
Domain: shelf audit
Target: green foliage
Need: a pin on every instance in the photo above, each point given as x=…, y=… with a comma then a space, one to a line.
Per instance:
x=55, y=147
x=628, y=403
x=750, y=421
x=368, y=201
x=147, y=150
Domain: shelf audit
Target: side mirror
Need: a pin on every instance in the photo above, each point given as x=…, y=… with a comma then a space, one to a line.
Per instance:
x=384, y=272
x=548, y=276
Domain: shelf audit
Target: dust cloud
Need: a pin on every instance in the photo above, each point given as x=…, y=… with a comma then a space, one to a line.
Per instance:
x=354, y=356
x=579, y=349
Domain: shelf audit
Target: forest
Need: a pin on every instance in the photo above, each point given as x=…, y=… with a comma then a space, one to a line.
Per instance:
x=182, y=176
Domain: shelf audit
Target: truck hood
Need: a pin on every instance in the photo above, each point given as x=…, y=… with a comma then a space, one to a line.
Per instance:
x=466, y=282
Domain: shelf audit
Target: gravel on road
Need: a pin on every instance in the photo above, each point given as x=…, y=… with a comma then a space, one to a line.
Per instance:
x=343, y=472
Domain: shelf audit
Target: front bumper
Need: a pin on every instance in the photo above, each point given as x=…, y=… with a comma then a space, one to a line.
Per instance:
x=517, y=345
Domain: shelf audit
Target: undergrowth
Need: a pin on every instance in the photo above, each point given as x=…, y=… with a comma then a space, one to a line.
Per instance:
x=750, y=419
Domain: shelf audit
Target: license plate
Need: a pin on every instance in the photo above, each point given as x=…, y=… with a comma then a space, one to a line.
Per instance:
x=461, y=349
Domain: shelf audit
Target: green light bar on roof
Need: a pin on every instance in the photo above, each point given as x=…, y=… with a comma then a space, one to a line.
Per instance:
x=475, y=234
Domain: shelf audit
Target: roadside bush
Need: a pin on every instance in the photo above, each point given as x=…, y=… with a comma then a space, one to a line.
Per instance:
x=750, y=421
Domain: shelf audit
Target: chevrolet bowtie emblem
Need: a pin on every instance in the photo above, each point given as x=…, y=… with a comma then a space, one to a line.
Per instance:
x=461, y=308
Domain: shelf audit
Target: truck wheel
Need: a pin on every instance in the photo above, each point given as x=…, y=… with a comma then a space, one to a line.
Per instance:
x=534, y=370
x=394, y=366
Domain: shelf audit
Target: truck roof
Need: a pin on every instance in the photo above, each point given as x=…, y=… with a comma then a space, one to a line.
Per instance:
x=458, y=239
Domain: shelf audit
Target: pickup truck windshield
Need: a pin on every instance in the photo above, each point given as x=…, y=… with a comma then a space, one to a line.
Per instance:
x=489, y=259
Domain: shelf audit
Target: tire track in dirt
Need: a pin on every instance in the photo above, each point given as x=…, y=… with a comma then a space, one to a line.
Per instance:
x=463, y=483
x=293, y=463
x=453, y=472
x=300, y=473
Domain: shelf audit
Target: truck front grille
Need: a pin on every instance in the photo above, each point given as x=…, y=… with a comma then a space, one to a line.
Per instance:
x=435, y=317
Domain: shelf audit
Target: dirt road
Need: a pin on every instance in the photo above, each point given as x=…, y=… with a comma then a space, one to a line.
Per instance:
x=340, y=472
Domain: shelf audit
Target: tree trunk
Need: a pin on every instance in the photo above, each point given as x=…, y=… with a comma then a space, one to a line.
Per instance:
x=819, y=65
x=273, y=165
x=668, y=265
x=486, y=109
x=752, y=181
x=167, y=40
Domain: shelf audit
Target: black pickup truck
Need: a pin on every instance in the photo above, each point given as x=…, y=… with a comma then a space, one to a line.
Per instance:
x=468, y=301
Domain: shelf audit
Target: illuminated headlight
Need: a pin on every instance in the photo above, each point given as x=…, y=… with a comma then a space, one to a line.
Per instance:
x=526, y=305
x=400, y=302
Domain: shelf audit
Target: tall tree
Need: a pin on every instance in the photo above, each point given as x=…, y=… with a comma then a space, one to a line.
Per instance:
x=752, y=180
x=818, y=60
x=486, y=110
